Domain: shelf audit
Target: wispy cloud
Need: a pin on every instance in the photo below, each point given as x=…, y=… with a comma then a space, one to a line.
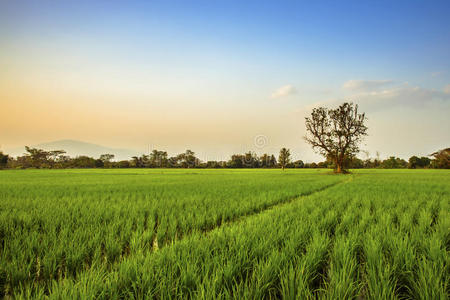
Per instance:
x=284, y=91
x=437, y=74
x=404, y=95
x=365, y=85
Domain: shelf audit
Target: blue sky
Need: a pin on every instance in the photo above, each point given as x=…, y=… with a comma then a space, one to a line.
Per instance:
x=211, y=75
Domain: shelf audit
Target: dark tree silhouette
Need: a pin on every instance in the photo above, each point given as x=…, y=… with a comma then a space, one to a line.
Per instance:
x=158, y=159
x=39, y=158
x=188, y=159
x=105, y=160
x=336, y=133
x=3, y=160
x=441, y=159
x=416, y=162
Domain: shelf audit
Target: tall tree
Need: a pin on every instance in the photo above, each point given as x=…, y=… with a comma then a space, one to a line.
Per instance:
x=139, y=161
x=39, y=158
x=3, y=160
x=425, y=162
x=55, y=157
x=106, y=159
x=273, y=161
x=188, y=159
x=158, y=159
x=284, y=158
x=413, y=162
x=250, y=160
x=264, y=160
x=441, y=159
x=336, y=133
x=236, y=161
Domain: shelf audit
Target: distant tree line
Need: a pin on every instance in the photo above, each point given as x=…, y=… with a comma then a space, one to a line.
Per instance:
x=57, y=159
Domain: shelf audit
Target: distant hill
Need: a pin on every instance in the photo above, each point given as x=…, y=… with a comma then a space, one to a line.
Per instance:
x=76, y=148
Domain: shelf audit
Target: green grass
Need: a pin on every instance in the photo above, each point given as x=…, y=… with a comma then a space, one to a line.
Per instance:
x=297, y=234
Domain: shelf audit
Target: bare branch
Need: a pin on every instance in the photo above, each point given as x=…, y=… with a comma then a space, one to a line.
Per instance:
x=336, y=133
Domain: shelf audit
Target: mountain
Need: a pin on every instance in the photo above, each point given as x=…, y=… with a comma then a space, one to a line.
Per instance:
x=76, y=148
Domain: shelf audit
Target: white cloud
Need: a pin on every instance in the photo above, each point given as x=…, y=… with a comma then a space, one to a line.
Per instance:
x=284, y=91
x=404, y=95
x=365, y=85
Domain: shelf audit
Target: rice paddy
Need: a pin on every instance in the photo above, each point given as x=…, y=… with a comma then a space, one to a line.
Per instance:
x=226, y=234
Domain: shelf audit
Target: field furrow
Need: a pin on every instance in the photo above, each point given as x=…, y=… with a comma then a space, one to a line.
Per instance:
x=369, y=235
x=61, y=227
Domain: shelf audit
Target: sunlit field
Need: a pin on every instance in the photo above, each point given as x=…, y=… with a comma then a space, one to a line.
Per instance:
x=189, y=233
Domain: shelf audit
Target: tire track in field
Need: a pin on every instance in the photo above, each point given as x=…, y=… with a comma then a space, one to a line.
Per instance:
x=230, y=222
x=256, y=211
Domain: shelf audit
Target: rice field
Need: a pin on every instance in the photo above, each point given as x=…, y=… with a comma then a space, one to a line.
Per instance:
x=224, y=234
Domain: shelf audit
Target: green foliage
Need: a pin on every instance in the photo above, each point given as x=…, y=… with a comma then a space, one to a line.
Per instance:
x=248, y=160
x=284, y=157
x=394, y=163
x=298, y=234
x=56, y=159
x=336, y=133
x=441, y=159
x=416, y=162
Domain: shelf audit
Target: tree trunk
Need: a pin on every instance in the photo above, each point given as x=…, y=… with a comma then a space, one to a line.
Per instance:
x=339, y=161
x=339, y=167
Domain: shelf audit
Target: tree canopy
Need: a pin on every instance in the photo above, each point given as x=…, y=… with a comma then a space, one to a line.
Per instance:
x=336, y=133
x=284, y=158
x=57, y=159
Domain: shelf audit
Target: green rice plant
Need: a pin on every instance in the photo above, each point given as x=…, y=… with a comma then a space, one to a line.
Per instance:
x=379, y=277
x=224, y=234
x=68, y=220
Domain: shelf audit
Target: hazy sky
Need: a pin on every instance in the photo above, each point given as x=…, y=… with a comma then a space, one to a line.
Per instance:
x=213, y=76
